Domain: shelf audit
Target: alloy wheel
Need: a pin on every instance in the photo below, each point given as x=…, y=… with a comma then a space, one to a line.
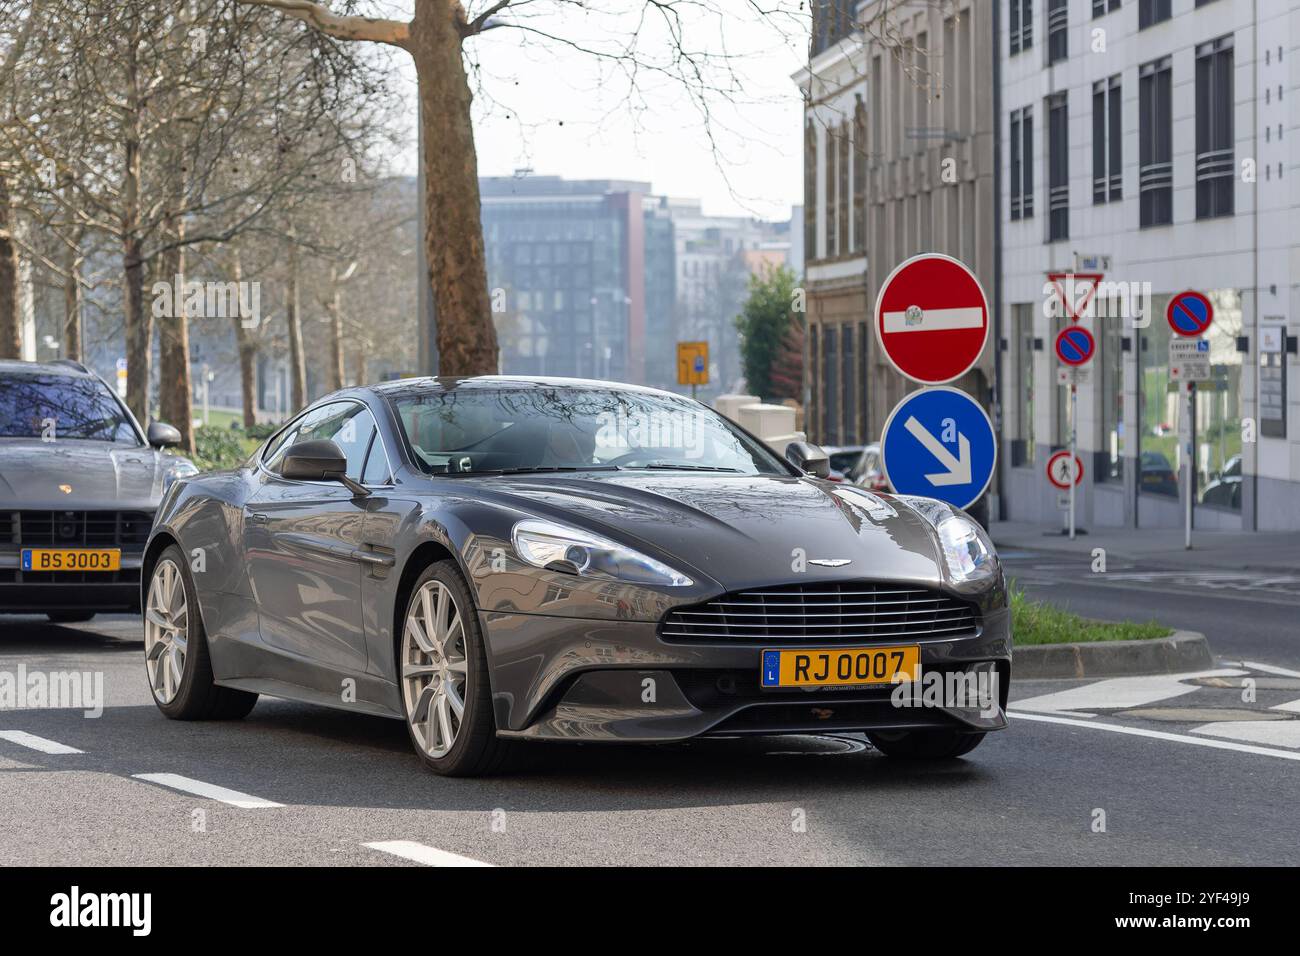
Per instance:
x=434, y=668
x=166, y=631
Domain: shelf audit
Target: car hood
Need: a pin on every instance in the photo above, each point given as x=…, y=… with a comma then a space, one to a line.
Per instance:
x=34, y=474
x=741, y=531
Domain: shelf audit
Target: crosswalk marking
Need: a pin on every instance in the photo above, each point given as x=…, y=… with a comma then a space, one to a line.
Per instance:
x=210, y=790
x=1210, y=742
x=1117, y=693
x=32, y=742
x=1276, y=733
x=420, y=853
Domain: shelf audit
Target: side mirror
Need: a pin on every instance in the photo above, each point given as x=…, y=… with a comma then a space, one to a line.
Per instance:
x=161, y=435
x=319, y=460
x=809, y=459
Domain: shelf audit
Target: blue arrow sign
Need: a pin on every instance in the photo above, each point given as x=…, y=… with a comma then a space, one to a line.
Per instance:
x=939, y=443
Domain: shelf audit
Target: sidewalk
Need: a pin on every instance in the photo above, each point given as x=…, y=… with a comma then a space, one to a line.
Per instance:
x=1274, y=552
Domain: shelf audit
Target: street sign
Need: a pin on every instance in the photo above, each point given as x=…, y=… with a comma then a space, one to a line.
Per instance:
x=121, y=378
x=692, y=363
x=1075, y=345
x=1074, y=375
x=1189, y=360
x=1075, y=291
x=939, y=443
x=1063, y=466
x=932, y=319
x=1189, y=314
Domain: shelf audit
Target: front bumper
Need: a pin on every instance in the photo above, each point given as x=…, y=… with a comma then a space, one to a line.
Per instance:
x=28, y=592
x=568, y=679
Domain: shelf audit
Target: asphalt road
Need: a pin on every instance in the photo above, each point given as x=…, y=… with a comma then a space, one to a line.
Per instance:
x=1172, y=769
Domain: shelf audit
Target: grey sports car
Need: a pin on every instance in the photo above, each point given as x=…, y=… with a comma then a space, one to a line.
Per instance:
x=498, y=561
x=79, y=483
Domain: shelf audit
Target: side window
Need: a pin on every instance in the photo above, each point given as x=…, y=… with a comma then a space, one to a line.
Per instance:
x=377, y=471
x=347, y=424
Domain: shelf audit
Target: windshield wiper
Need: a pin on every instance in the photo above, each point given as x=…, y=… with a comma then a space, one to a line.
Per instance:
x=670, y=466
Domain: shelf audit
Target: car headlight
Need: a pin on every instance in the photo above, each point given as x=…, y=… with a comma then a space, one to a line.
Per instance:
x=181, y=468
x=557, y=547
x=968, y=554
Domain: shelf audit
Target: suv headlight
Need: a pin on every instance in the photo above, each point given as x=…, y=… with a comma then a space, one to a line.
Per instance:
x=557, y=547
x=968, y=554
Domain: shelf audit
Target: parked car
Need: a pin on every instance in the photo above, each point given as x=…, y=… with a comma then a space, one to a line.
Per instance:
x=1225, y=490
x=1157, y=475
x=869, y=470
x=496, y=561
x=842, y=458
x=79, y=484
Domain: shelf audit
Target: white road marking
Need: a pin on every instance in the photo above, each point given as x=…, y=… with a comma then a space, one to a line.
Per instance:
x=1158, y=735
x=210, y=790
x=32, y=742
x=1277, y=733
x=936, y=320
x=1117, y=693
x=1269, y=669
x=419, y=853
x=1291, y=706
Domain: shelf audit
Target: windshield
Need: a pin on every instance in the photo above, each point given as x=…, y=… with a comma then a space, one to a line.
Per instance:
x=491, y=431
x=57, y=407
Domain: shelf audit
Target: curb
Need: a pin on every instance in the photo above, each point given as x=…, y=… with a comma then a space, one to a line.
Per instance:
x=1181, y=652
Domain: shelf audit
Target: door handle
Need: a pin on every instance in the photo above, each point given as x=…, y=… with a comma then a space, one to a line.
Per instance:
x=256, y=517
x=373, y=559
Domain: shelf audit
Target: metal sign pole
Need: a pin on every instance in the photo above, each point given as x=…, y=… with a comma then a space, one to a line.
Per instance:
x=1074, y=411
x=1188, y=451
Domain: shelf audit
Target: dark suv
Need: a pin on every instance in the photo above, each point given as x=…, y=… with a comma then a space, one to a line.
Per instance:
x=79, y=485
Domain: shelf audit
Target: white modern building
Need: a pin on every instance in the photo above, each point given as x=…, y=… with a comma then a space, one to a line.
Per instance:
x=1150, y=140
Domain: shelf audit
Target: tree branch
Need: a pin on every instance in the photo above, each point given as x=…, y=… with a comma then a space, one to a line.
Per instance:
x=392, y=32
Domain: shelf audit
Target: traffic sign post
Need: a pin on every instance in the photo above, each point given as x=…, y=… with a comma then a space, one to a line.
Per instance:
x=940, y=443
x=1075, y=347
x=693, y=364
x=932, y=319
x=1065, y=471
x=1189, y=314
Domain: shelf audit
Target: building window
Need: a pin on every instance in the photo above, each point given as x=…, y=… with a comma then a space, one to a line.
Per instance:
x=1022, y=163
x=1107, y=142
x=810, y=190
x=1155, y=139
x=1151, y=12
x=859, y=176
x=1215, y=172
x=1022, y=443
x=848, y=428
x=1058, y=30
x=830, y=387
x=842, y=191
x=1159, y=412
x=1110, y=327
x=1102, y=7
x=1022, y=25
x=1058, y=167
x=828, y=208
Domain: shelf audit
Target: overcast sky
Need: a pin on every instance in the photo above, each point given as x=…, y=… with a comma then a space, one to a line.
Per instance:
x=545, y=106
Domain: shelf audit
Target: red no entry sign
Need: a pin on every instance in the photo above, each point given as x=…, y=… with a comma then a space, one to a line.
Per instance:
x=1063, y=466
x=932, y=319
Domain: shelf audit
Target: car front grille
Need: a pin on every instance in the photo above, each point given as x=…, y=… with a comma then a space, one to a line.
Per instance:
x=95, y=529
x=807, y=613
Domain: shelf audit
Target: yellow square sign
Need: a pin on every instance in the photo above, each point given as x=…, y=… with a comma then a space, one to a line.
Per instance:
x=692, y=363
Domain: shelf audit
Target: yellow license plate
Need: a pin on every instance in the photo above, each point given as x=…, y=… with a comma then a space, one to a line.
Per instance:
x=841, y=667
x=72, y=559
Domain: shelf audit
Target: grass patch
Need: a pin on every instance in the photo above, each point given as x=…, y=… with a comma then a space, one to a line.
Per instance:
x=1033, y=622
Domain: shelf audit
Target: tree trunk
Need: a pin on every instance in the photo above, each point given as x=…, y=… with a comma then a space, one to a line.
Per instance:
x=297, y=368
x=453, y=228
x=336, y=331
x=247, y=346
x=72, y=301
x=138, y=319
x=11, y=339
x=175, y=390
x=361, y=364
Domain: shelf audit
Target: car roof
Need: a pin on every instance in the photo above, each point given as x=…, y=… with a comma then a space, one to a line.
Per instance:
x=444, y=383
x=64, y=367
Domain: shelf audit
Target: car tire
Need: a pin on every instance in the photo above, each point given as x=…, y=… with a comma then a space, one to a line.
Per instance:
x=925, y=744
x=174, y=629
x=448, y=664
x=70, y=617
